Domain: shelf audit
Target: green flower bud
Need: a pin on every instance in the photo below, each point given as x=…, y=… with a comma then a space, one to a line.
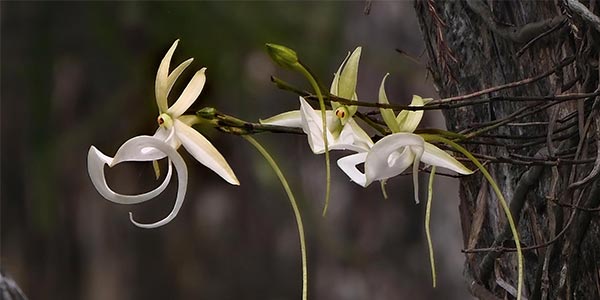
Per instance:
x=282, y=55
x=208, y=113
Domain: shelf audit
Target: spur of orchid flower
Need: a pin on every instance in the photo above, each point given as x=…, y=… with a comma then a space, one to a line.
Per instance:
x=342, y=131
x=394, y=153
x=174, y=130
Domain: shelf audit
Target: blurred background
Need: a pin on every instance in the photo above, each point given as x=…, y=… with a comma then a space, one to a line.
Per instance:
x=80, y=74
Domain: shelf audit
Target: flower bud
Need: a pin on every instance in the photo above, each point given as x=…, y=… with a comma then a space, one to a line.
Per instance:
x=282, y=55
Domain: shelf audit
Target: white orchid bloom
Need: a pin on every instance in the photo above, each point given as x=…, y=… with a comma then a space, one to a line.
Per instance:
x=349, y=136
x=174, y=130
x=342, y=131
x=394, y=153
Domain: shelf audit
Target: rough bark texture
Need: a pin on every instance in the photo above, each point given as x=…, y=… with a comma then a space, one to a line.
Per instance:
x=474, y=45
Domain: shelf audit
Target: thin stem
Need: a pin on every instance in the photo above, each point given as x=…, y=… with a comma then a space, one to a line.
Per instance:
x=427, y=221
x=503, y=203
x=317, y=89
x=292, y=199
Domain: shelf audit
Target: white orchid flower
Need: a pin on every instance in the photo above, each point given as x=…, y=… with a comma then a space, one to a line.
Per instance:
x=394, y=153
x=342, y=131
x=174, y=130
x=349, y=136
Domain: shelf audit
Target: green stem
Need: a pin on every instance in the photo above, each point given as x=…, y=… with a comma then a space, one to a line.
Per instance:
x=503, y=203
x=427, y=221
x=317, y=89
x=292, y=199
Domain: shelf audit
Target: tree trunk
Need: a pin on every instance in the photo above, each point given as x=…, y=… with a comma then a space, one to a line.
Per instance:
x=543, y=149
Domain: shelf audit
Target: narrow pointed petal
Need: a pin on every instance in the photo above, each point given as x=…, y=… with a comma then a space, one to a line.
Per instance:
x=176, y=73
x=97, y=160
x=335, y=83
x=290, y=119
x=189, y=95
x=437, y=157
x=388, y=114
x=349, y=75
x=391, y=155
x=162, y=85
x=348, y=165
x=182, y=176
x=203, y=151
x=408, y=120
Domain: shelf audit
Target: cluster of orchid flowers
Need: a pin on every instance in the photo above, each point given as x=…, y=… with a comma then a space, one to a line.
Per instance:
x=326, y=129
x=388, y=157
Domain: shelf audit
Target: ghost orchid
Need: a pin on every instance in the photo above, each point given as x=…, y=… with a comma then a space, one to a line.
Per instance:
x=174, y=130
x=342, y=131
x=394, y=153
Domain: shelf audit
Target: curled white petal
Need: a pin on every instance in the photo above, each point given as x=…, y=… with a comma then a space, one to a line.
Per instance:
x=96, y=162
x=189, y=95
x=133, y=150
x=348, y=165
x=391, y=155
x=142, y=142
x=203, y=151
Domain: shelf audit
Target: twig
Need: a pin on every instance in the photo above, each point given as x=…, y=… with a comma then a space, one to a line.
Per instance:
x=584, y=13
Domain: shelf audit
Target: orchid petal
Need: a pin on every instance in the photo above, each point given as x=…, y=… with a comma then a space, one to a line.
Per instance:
x=437, y=157
x=388, y=114
x=391, y=155
x=128, y=152
x=353, y=137
x=142, y=142
x=348, y=165
x=362, y=139
x=335, y=83
x=176, y=73
x=189, y=120
x=349, y=75
x=203, y=151
x=189, y=95
x=162, y=83
x=290, y=119
x=312, y=125
x=167, y=136
x=409, y=120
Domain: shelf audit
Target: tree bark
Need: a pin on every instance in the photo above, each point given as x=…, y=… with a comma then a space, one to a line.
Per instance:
x=474, y=45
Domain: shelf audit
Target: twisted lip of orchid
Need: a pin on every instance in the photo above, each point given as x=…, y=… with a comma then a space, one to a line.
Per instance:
x=139, y=148
x=392, y=155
